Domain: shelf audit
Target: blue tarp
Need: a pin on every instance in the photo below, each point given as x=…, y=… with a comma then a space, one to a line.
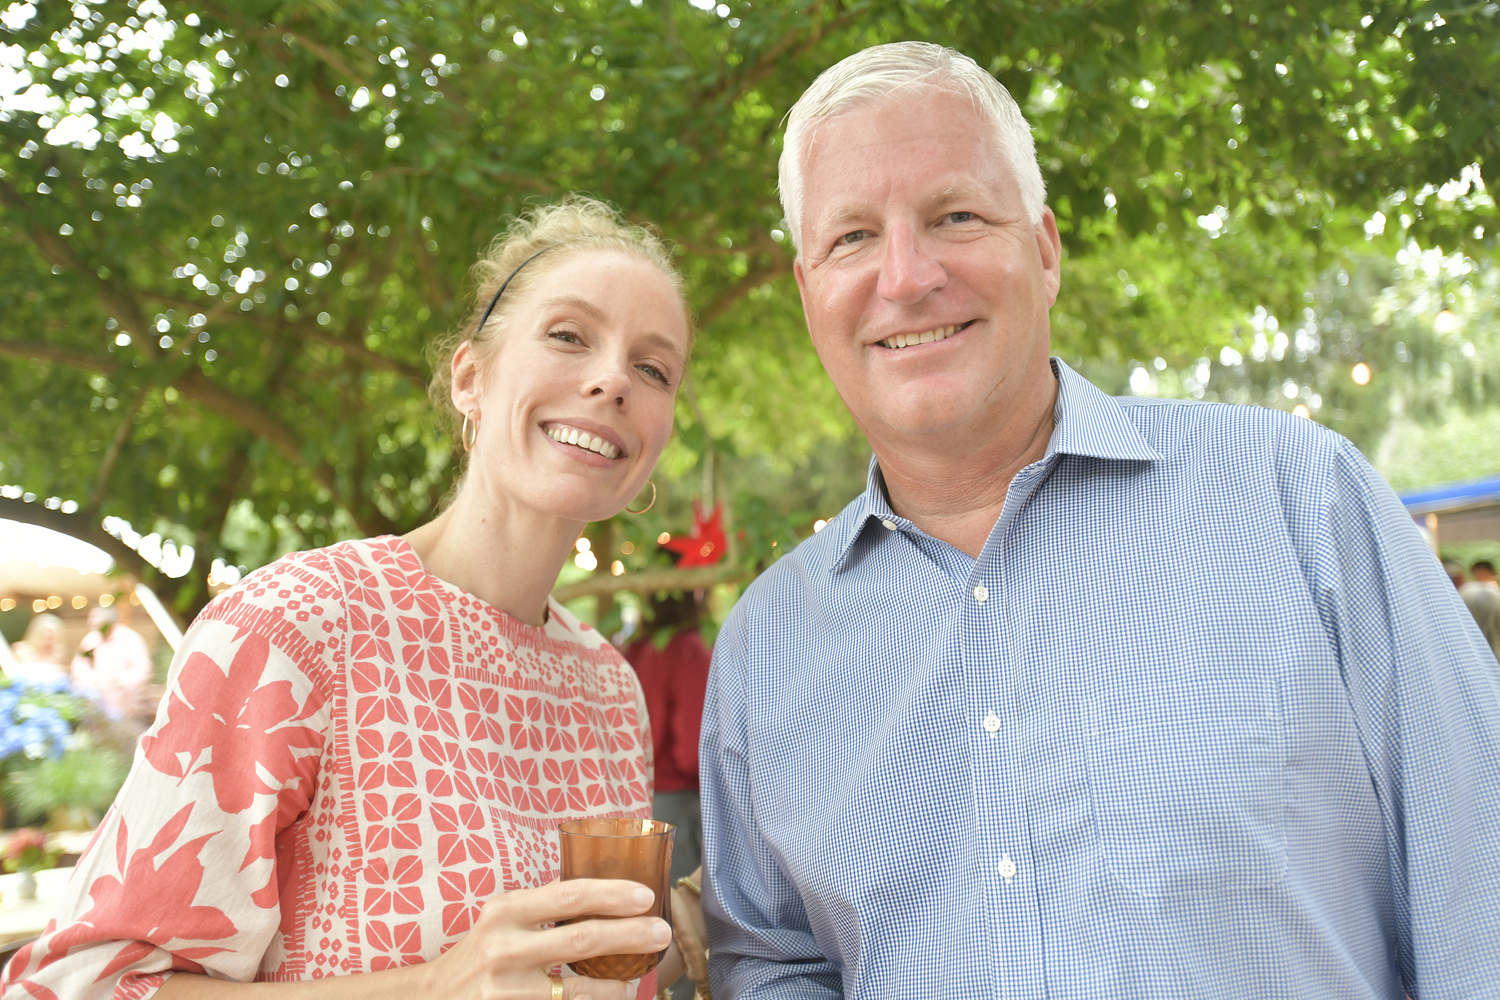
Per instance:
x=1453, y=496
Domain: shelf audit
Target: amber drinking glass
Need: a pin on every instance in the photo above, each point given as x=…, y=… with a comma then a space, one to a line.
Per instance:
x=639, y=850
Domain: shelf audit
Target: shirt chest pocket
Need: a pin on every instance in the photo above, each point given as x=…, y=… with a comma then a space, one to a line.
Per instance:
x=1192, y=805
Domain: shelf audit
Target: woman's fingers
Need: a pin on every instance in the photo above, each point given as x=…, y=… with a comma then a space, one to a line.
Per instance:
x=583, y=897
x=578, y=987
x=591, y=938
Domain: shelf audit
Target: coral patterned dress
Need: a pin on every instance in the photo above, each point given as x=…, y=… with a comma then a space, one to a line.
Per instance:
x=351, y=757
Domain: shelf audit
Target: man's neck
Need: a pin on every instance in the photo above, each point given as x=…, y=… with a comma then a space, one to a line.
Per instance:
x=956, y=492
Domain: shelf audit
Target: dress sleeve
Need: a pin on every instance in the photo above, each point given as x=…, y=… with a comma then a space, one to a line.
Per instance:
x=1426, y=698
x=763, y=945
x=190, y=869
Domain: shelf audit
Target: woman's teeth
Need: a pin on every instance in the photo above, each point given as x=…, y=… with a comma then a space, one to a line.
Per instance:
x=583, y=439
x=930, y=337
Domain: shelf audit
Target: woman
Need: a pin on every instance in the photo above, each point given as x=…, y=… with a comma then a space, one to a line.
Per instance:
x=39, y=655
x=363, y=744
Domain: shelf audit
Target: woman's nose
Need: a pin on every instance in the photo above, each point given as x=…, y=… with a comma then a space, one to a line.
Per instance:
x=611, y=381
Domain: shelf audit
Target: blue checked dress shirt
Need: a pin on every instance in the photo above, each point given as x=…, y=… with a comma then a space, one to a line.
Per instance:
x=1204, y=719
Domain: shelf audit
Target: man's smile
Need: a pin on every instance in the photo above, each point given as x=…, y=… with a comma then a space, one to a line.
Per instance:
x=903, y=340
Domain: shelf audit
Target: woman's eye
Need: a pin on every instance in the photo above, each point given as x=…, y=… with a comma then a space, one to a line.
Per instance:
x=854, y=237
x=566, y=336
x=657, y=374
x=960, y=216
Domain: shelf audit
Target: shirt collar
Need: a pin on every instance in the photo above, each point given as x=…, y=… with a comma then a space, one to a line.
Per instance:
x=1086, y=423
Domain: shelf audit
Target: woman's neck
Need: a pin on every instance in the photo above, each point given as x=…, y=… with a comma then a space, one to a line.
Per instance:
x=503, y=553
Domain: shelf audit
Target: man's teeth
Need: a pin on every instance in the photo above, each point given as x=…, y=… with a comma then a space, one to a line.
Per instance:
x=583, y=439
x=931, y=336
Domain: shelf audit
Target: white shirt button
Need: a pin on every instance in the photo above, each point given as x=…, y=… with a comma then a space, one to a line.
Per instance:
x=981, y=594
x=1007, y=867
x=992, y=723
x=889, y=525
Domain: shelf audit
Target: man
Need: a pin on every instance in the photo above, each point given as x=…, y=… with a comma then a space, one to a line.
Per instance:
x=1084, y=697
x=1483, y=571
x=114, y=666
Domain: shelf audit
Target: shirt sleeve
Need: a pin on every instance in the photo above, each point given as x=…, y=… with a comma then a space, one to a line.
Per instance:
x=1423, y=687
x=189, y=870
x=762, y=943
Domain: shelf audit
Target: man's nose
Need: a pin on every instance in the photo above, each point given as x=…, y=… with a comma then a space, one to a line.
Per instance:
x=907, y=272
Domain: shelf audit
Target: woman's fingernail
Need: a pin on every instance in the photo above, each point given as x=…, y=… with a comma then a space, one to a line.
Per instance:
x=643, y=896
x=662, y=932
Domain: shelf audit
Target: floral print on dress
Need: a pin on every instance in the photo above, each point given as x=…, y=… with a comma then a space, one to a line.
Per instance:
x=351, y=757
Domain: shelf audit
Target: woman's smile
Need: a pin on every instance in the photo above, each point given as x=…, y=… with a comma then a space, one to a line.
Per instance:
x=585, y=440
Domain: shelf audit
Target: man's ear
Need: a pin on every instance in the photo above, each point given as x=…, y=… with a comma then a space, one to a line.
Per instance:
x=1049, y=246
x=801, y=290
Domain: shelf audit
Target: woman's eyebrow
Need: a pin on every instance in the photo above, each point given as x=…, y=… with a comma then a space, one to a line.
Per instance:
x=576, y=302
x=664, y=343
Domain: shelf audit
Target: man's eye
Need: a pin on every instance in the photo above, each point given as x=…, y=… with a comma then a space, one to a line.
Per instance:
x=960, y=216
x=853, y=237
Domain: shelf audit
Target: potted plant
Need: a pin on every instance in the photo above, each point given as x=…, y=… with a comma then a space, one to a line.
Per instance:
x=26, y=851
x=71, y=791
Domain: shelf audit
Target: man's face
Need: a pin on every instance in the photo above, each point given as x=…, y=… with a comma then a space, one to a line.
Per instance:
x=913, y=232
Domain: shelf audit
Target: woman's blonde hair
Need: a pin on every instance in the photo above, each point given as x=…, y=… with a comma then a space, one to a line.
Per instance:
x=576, y=224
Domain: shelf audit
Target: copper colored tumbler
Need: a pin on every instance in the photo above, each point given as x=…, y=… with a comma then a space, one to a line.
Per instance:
x=639, y=850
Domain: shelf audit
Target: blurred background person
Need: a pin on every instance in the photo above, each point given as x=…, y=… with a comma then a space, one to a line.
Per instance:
x=671, y=659
x=40, y=655
x=113, y=666
x=1455, y=571
x=1483, y=600
x=1483, y=572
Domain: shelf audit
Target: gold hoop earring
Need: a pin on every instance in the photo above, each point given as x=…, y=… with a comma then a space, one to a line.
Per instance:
x=463, y=435
x=651, y=483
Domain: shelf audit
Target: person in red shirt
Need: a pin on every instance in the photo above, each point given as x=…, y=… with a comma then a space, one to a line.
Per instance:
x=671, y=659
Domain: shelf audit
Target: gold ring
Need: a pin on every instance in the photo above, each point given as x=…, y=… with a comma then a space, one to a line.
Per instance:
x=687, y=882
x=557, y=987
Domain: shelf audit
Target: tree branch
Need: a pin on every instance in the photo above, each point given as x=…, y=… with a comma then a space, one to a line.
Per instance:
x=59, y=356
x=197, y=387
x=372, y=359
x=650, y=581
x=112, y=456
x=80, y=526
x=116, y=298
x=741, y=288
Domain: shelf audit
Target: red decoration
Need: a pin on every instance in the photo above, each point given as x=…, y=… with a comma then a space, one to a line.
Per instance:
x=706, y=544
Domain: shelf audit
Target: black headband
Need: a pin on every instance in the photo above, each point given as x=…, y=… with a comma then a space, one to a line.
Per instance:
x=501, y=290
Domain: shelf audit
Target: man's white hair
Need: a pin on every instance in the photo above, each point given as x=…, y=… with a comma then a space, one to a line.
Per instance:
x=880, y=71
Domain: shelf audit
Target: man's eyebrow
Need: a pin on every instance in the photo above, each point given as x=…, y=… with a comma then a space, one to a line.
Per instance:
x=840, y=215
x=847, y=213
x=954, y=192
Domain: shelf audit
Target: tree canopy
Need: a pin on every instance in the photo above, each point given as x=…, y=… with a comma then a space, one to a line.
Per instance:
x=229, y=230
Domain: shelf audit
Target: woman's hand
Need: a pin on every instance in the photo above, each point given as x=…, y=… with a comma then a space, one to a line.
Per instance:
x=509, y=952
